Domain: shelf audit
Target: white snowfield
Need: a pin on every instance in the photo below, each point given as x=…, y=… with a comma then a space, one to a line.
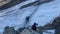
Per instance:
x=14, y=16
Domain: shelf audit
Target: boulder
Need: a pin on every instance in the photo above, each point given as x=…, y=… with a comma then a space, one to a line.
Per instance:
x=10, y=30
x=29, y=31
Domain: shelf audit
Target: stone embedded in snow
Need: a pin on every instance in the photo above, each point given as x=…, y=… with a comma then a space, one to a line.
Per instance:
x=29, y=31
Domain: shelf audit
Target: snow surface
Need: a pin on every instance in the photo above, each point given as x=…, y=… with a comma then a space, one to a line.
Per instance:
x=14, y=16
x=49, y=32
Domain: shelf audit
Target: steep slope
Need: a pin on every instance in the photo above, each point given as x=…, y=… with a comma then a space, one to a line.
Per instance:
x=44, y=14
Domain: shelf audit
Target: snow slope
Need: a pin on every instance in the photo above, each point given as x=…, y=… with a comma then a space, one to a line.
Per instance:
x=15, y=16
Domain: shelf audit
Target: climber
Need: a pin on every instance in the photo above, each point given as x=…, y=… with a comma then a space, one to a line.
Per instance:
x=34, y=26
x=27, y=18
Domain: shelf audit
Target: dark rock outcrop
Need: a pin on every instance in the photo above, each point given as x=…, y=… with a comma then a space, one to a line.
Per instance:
x=56, y=23
x=10, y=4
x=38, y=2
x=10, y=30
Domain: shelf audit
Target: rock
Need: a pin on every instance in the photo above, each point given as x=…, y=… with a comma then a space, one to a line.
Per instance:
x=10, y=30
x=11, y=4
x=57, y=30
x=20, y=30
x=29, y=31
